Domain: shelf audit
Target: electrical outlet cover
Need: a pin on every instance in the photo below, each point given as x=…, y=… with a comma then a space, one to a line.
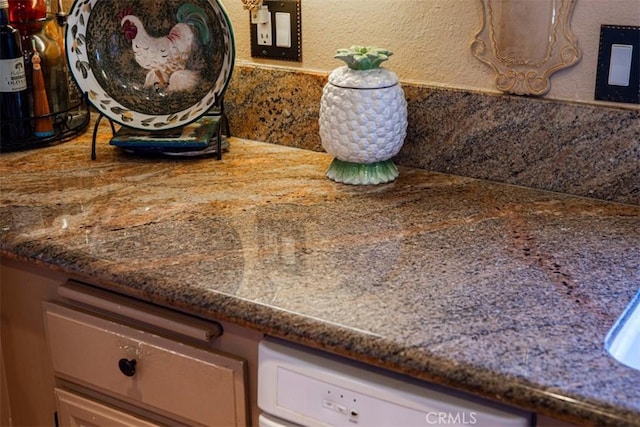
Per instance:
x=259, y=49
x=618, y=72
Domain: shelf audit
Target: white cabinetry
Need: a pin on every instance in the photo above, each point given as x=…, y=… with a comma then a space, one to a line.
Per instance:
x=108, y=371
x=77, y=411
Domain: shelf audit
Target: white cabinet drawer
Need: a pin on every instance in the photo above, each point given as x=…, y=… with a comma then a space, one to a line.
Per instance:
x=78, y=411
x=171, y=378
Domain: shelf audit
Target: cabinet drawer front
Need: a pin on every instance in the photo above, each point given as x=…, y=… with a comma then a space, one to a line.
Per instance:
x=169, y=377
x=77, y=411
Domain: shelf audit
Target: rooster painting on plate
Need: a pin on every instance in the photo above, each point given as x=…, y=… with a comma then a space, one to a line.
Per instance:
x=165, y=58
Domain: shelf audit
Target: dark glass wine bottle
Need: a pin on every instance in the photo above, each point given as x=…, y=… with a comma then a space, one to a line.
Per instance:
x=14, y=106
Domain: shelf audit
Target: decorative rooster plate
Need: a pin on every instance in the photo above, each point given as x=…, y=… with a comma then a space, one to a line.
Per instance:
x=150, y=64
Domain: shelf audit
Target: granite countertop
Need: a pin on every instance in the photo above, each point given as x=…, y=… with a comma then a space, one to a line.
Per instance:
x=501, y=291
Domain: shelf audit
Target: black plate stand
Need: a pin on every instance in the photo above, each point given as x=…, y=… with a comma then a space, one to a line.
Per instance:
x=216, y=110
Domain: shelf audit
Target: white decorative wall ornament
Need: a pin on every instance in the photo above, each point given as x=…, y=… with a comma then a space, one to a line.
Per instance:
x=251, y=4
x=525, y=42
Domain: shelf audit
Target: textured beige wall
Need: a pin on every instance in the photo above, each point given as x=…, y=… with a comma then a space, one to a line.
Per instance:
x=431, y=38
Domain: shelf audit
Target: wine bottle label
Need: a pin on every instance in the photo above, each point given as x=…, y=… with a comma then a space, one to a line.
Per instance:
x=12, y=75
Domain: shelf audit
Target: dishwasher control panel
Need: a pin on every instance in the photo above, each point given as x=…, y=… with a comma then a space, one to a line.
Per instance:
x=298, y=386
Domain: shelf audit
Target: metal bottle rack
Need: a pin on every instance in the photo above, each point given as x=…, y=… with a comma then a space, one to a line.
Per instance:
x=67, y=123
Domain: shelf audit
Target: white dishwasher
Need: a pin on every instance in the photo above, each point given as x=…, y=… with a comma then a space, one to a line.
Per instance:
x=298, y=386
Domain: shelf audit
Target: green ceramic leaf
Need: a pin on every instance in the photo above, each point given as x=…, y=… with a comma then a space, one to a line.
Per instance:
x=363, y=57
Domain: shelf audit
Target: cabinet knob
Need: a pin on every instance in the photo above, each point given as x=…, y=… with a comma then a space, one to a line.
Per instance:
x=127, y=367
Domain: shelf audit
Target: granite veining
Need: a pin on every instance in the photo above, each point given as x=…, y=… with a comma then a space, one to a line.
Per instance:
x=580, y=149
x=502, y=291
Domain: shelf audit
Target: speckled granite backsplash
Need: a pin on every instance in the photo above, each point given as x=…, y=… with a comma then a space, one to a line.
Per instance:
x=570, y=148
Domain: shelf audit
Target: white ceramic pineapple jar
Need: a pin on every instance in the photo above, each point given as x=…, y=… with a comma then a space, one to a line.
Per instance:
x=363, y=118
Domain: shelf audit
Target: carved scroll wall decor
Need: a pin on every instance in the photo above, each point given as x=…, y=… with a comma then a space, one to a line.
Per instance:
x=525, y=42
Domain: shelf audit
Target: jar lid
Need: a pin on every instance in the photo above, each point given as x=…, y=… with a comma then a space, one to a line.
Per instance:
x=376, y=78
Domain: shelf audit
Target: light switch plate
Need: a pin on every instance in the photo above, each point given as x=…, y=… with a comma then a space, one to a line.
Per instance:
x=618, y=72
x=280, y=48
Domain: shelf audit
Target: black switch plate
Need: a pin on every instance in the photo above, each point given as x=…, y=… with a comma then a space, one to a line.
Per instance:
x=293, y=53
x=618, y=35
